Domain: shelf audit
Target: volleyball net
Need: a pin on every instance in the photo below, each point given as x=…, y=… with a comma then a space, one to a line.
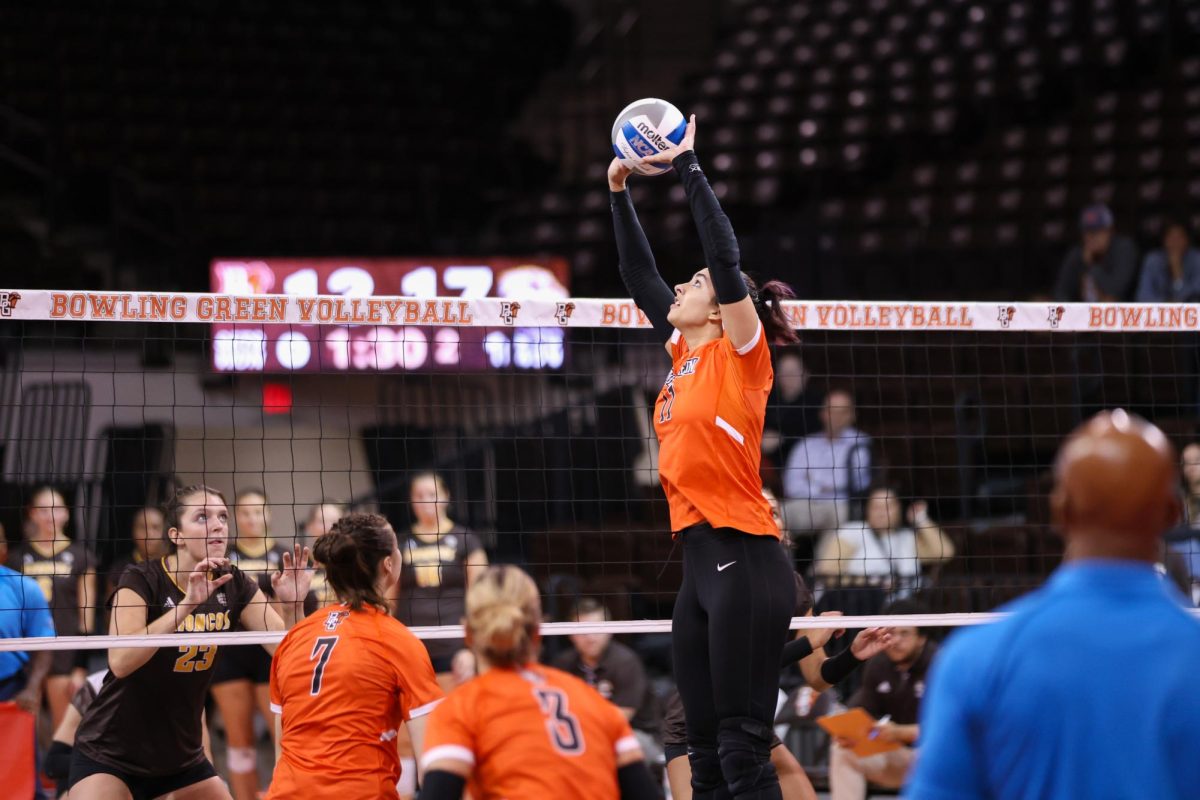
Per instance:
x=536, y=413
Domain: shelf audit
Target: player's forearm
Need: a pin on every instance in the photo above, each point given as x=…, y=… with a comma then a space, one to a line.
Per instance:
x=716, y=232
x=125, y=660
x=636, y=265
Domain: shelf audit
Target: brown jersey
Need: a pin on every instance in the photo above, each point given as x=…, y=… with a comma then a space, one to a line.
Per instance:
x=148, y=723
x=433, y=583
x=260, y=568
x=58, y=577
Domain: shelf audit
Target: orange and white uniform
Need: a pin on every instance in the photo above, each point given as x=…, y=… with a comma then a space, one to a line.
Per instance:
x=533, y=732
x=342, y=682
x=709, y=420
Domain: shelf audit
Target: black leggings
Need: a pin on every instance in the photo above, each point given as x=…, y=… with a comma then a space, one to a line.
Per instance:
x=728, y=631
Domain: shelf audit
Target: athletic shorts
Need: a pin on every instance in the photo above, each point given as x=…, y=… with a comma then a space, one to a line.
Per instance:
x=142, y=787
x=674, y=730
x=242, y=662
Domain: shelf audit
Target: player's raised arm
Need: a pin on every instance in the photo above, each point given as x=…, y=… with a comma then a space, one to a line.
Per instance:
x=738, y=315
x=636, y=261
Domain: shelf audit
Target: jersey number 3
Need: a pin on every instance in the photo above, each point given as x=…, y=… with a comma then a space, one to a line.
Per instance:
x=322, y=650
x=561, y=724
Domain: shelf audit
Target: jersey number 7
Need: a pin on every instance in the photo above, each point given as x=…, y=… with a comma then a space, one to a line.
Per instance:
x=561, y=724
x=322, y=650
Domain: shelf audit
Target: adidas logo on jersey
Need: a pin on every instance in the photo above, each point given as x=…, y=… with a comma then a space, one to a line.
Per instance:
x=169, y=604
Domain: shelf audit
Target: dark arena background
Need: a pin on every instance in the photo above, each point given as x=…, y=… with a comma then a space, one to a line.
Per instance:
x=322, y=251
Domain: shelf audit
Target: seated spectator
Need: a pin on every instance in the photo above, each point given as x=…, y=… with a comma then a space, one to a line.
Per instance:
x=149, y=538
x=826, y=469
x=1103, y=268
x=1172, y=273
x=792, y=408
x=1184, y=540
x=880, y=549
x=615, y=671
x=893, y=684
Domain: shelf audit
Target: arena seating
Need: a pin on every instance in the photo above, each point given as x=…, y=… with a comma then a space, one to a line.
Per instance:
x=936, y=149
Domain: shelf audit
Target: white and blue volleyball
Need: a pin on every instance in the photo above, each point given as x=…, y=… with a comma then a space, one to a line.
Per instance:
x=644, y=128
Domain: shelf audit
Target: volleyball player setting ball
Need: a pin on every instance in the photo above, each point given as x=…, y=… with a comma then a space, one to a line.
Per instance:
x=731, y=616
x=521, y=729
x=346, y=678
x=142, y=736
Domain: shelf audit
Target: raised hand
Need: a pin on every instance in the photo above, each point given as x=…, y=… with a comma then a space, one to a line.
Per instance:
x=687, y=143
x=870, y=642
x=819, y=637
x=291, y=583
x=618, y=173
x=918, y=514
x=201, y=583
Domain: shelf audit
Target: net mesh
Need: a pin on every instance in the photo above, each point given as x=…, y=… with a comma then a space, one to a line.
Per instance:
x=536, y=413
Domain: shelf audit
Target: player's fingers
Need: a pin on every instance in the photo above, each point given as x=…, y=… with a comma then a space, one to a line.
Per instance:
x=221, y=581
x=305, y=556
x=660, y=158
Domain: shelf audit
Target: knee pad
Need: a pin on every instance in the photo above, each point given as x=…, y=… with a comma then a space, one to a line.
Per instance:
x=744, y=748
x=241, y=759
x=706, y=770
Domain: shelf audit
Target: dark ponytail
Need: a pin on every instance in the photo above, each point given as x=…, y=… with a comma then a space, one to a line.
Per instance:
x=350, y=553
x=768, y=302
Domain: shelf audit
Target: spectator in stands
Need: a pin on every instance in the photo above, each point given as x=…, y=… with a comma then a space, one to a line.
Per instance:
x=893, y=684
x=441, y=559
x=319, y=520
x=63, y=569
x=615, y=671
x=792, y=408
x=825, y=470
x=880, y=550
x=23, y=612
x=1184, y=539
x=1171, y=274
x=1103, y=268
x=149, y=539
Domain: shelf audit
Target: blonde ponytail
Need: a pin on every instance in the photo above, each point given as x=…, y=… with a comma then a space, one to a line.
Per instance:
x=503, y=615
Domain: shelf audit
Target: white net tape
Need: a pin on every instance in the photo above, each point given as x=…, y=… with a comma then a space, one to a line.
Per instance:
x=456, y=631
x=82, y=306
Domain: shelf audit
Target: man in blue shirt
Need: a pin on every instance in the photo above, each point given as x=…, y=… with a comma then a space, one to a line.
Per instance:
x=1088, y=689
x=23, y=612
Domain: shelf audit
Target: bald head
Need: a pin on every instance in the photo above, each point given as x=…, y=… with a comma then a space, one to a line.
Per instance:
x=1115, y=487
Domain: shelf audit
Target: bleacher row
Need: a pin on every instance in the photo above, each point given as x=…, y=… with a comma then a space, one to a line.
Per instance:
x=930, y=149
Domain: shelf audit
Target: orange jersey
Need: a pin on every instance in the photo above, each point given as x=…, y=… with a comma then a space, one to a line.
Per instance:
x=532, y=732
x=709, y=420
x=343, y=681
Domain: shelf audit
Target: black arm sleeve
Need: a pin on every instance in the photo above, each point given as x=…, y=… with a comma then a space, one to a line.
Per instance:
x=836, y=669
x=638, y=271
x=441, y=785
x=796, y=650
x=716, y=233
x=635, y=782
